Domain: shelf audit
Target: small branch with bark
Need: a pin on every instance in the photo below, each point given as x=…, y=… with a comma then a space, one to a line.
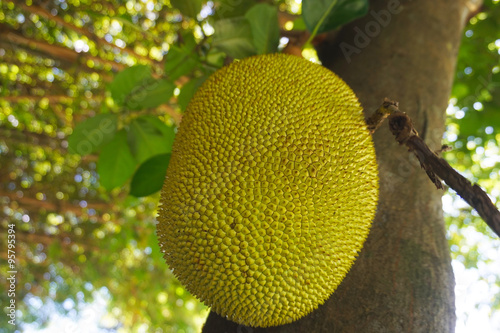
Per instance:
x=437, y=168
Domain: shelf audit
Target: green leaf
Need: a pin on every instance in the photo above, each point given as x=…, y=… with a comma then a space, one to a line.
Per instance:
x=180, y=61
x=215, y=58
x=188, y=39
x=325, y=15
x=231, y=8
x=234, y=36
x=136, y=89
x=188, y=8
x=116, y=163
x=168, y=132
x=150, y=176
x=127, y=80
x=92, y=133
x=263, y=20
x=188, y=90
x=299, y=24
x=150, y=95
x=149, y=136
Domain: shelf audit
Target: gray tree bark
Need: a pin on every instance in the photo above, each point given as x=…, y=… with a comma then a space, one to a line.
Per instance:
x=402, y=280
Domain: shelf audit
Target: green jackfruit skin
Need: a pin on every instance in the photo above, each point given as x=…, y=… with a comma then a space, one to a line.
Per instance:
x=271, y=190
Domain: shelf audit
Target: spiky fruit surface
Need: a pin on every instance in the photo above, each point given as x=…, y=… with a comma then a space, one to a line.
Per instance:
x=271, y=190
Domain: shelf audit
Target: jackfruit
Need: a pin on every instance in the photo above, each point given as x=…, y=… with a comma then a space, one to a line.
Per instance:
x=271, y=190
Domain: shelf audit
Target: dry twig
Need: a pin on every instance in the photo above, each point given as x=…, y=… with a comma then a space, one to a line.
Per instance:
x=437, y=168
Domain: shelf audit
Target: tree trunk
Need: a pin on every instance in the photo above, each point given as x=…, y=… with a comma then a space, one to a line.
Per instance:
x=402, y=280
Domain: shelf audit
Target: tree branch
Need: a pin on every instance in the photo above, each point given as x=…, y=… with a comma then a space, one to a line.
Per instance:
x=58, y=206
x=34, y=9
x=54, y=51
x=437, y=168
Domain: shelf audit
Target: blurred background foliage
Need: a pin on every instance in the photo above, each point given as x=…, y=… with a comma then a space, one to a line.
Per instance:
x=90, y=95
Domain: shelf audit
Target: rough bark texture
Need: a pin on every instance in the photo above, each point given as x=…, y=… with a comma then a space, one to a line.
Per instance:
x=402, y=280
